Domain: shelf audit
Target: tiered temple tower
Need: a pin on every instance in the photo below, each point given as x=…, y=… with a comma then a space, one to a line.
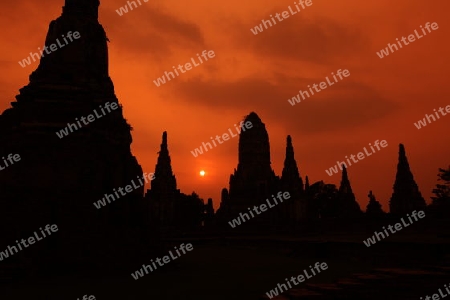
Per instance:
x=406, y=196
x=347, y=205
x=58, y=179
x=254, y=179
x=170, y=210
x=292, y=182
x=163, y=193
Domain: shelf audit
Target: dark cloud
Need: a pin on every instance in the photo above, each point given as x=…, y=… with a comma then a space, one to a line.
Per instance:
x=150, y=30
x=300, y=38
x=348, y=105
x=341, y=106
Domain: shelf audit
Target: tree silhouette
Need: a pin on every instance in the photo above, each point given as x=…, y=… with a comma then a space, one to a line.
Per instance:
x=441, y=201
x=323, y=200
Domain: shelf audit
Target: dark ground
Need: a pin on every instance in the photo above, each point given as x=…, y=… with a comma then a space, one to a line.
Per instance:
x=407, y=265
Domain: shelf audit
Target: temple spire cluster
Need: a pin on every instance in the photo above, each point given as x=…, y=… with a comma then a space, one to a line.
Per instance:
x=72, y=173
x=254, y=180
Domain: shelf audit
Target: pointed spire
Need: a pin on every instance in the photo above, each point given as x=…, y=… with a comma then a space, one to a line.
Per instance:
x=347, y=204
x=406, y=196
x=402, y=160
x=164, y=177
x=345, y=186
x=306, y=183
x=292, y=183
x=164, y=142
x=290, y=177
x=289, y=149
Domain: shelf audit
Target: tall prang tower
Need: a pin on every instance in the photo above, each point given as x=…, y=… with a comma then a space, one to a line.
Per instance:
x=254, y=179
x=163, y=194
x=406, y=196
x=170, y=210
x=59, y=178
x=291, y=181
x=347, y=206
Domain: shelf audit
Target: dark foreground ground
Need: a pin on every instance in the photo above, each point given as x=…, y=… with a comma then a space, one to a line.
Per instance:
x=246, y=268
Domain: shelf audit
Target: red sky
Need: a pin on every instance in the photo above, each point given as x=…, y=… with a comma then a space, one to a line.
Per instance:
x=381, y=99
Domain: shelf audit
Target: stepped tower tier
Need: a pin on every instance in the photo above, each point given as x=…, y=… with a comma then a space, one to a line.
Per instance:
x=254, y=179
x=59, y=177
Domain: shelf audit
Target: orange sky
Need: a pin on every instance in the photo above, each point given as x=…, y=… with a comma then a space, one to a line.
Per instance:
x=380, y=100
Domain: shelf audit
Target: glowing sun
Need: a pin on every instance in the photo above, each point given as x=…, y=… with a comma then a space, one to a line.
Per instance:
x=202, y=173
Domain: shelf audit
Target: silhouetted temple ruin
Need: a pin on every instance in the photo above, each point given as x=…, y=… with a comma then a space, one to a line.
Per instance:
x=295, y=209
x=346, y=202
x=63, y=170
x=254, y=179
x=406, y=196
x=163, y=192
x=168, y=208
x=373, y=209
x=59, y=178
x=117, y=238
